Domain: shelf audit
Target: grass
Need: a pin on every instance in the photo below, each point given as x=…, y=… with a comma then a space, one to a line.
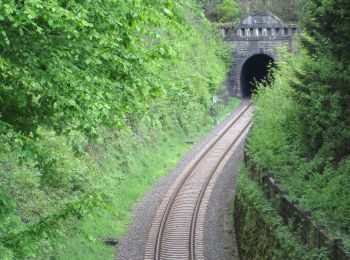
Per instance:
x=225, y=109
x=148, y=166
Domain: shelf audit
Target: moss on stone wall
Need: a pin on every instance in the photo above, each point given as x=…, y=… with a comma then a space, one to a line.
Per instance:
x=260, y=233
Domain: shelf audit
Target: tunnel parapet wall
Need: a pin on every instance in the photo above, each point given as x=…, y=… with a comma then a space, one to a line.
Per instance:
x=255, y=34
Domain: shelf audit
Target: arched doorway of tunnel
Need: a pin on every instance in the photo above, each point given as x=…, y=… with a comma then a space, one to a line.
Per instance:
x=254, y=70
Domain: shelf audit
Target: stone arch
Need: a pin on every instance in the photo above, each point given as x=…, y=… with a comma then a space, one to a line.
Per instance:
x=239, y=66
x=255, y=69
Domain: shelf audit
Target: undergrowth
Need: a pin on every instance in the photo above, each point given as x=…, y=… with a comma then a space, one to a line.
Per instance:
x=275, y=141
x=257, y=223
x=148, y=163
x=87, y=89
x=301, y=128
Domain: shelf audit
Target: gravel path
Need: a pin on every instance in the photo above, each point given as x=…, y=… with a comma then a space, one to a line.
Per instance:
x=216, y=244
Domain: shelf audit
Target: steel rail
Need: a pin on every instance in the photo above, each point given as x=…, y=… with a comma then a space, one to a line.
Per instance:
x=157, y=250
x=192, y=250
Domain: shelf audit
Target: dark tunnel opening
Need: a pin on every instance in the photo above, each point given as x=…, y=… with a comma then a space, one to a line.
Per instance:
x=254, y=70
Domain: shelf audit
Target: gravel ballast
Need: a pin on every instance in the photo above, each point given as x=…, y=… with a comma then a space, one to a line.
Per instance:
x=216, y=245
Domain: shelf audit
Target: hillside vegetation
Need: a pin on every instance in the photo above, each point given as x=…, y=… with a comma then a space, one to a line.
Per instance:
x=301, y=129
x=231, y=11
x=88, y=91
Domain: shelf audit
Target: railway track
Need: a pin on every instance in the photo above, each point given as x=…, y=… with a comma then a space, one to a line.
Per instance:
x=177, y=229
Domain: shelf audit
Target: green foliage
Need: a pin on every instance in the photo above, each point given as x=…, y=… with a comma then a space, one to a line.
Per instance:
x=141, y=161
x=232, y=10
x=275, y=111
x=210, y=8
x=38, y=195
x=256, y=223
x=66, y=64
x=301, y=129
x=324, y=90
x=277, y=141
x=221, y=10
x=82, y=86
x=148, y=157
x=287, y=10
x=229, y=11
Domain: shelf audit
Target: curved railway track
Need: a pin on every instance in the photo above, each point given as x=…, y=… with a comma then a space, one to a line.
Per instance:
x=177, y=229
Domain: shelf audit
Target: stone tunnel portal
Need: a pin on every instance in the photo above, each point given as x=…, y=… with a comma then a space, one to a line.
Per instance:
x=254, y=70
x=254, y=43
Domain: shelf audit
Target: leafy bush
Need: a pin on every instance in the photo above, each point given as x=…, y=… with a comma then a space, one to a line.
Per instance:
x=301, y=128
x=229, y=11
x=256, y=223
x=82, y=85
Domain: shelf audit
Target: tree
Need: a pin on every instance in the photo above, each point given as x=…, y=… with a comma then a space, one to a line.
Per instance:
x=229, y=11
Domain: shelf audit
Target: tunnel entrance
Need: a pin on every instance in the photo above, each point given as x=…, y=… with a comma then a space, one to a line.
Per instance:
x=255, y=69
